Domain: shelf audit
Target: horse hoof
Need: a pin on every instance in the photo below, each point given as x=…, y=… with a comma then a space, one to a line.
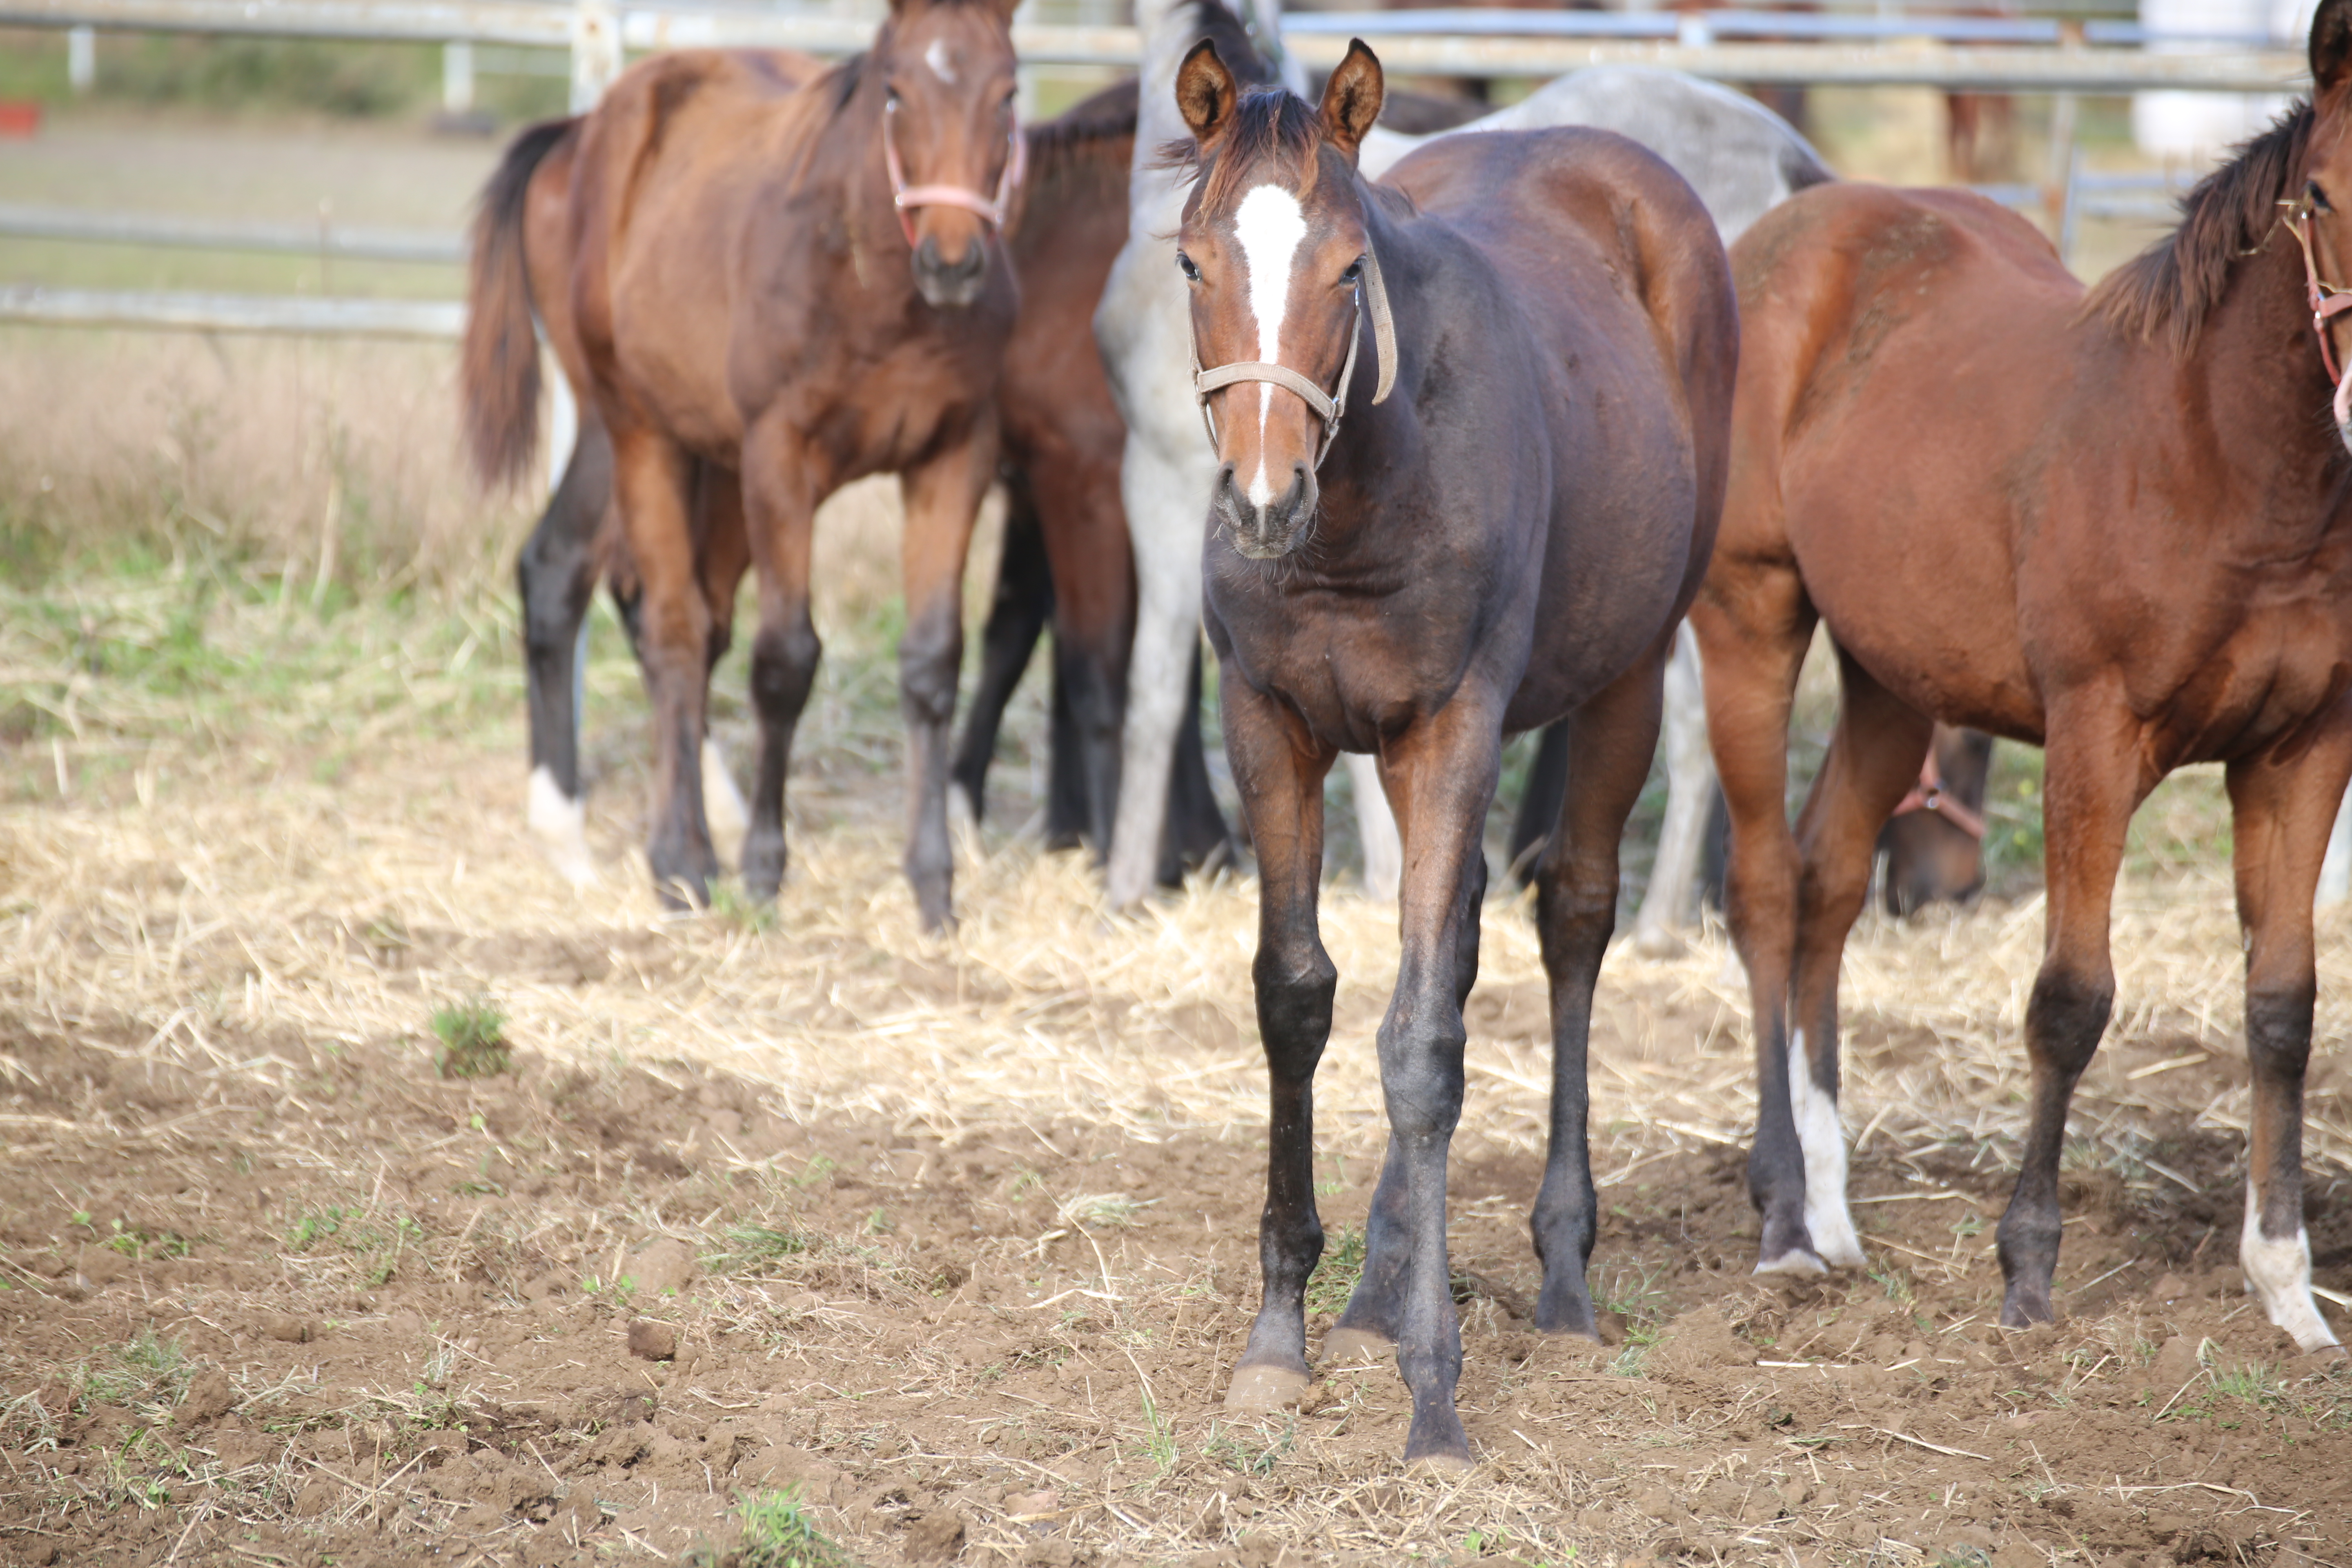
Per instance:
x=1659, y=943
x=1444, y=1467
x=1357, y=1347
x=1796, y=1261
x=1262, y=1390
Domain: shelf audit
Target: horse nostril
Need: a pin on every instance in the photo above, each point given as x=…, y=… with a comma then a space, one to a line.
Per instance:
x=926, y=255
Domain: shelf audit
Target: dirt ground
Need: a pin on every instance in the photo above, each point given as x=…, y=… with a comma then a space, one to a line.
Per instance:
x=961, y=1248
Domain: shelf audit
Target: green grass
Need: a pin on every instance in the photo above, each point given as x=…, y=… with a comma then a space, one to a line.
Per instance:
x=149, y=1370
x=754, y=1246
x=472, y=1032
x=1335, y=1277
x=779, y=1532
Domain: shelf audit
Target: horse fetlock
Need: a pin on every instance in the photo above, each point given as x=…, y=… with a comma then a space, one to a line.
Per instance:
x=783, y=669
x=1565, y=1304
x=2027, y=1241
x=1436, y=1439
x=764, y=858
x=2064, y=1017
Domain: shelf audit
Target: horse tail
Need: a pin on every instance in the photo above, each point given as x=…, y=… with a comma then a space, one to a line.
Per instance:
x=500, y=368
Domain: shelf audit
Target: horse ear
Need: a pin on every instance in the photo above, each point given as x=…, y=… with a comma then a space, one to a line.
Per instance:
x=1205, y=92
x=1351, y=99
x=2331, y=45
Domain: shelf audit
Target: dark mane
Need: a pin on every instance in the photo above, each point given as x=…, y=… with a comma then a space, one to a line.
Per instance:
x=1084, y=151
x=2170, y=287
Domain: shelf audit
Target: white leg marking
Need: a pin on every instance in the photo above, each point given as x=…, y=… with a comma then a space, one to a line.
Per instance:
x=1822, y=1138
x=1269, y=223
x=1376, y=826
x=722, y=803
x=2279, y=1272
x=560, y=824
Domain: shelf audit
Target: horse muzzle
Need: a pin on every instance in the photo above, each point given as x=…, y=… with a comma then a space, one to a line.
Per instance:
x=951, y=284
x=1274, y=528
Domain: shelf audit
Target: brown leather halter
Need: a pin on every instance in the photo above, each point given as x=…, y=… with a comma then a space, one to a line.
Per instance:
x=2327, y=299
x=1929, y=795
x=1330, y=407
x=907, y=197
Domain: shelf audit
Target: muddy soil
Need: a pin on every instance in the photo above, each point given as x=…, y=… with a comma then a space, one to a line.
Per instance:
x=307, y=1307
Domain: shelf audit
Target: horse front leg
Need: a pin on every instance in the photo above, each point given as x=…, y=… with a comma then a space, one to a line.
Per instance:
x=1167, y=515
x=1441, y=776
x=1279, y=770
x=779, y=498
x=2282, y=816
x=2092, y=783
x=651, y=475
x=942, y=498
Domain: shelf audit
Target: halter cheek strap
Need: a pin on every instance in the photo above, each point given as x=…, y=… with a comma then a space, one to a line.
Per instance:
x=1330, y=407
x=2326, y=301
x=905, y=198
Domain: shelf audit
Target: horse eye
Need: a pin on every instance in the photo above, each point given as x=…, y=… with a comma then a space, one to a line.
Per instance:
x=890, y=98
x=1355, y=271
x=2318, y=197
x=1184, y=265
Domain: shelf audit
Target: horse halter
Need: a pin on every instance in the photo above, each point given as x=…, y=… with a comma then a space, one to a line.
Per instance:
x=905, y=198
x=1929, y=795
x=1330, y=407
x=2327, y=299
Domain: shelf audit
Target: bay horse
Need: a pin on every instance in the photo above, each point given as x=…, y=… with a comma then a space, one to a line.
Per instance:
x=775, y=278
x=2111, y=524
x=1471, y=426
x=1739, y=157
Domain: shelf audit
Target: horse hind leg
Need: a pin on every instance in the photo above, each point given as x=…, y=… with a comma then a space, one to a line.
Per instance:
x=1874, y=757
x=723, y=549
x=556, y=574
x=2282, y=817
x=1612, y=739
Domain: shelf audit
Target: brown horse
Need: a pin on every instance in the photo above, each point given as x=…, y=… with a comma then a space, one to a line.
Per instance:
x=776, y=279
x=1481, y=513
x=2114, y=526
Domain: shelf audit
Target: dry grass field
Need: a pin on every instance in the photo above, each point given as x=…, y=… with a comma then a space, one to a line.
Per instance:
x=369, y=1196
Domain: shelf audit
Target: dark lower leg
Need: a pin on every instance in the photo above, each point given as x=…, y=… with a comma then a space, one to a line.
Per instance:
x=929, y=655
x=1539, y=802
x=1194, y=832
x=784, y=657
x=1016, y=617
x=2064, y=1020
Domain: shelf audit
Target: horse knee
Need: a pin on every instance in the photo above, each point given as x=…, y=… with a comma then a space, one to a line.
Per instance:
x=930, y=654
x=1420, y=1076
x=1574, y=915
x=783, y=667
x=2065, y=1018
x=2278, y=1031
x=1294, y=1007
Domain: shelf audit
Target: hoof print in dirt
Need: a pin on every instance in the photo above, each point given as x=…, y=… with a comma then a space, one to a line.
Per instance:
x=649, y=1341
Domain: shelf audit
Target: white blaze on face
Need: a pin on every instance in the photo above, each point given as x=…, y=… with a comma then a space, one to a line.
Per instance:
x=1269, y=225
x=935, y=57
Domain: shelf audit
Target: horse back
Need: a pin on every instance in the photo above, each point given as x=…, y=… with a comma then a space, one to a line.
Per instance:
x=1890, y=340
x=1625, y=294
x=658, y=188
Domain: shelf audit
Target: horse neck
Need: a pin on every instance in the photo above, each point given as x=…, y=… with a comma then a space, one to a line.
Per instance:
x=2262, y=392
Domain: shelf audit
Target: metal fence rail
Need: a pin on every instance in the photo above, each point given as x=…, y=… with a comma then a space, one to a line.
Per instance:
x=599, y=28
x=338, y=243
x=288, y=314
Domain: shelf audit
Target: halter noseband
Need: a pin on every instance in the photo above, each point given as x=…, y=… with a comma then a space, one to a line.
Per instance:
x=905, y=198
x=2327, y=299
x=1929, y=795
x=1330, y=407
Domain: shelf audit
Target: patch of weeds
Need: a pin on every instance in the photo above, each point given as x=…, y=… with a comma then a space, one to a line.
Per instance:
x=149, y=1370
x=1251, y=1454
x=27, y=1424
x=753, y=1247
x=1970, y=1226
x=317, y=1226
x=879, y=1223
x=2255, y=1383
x=1025, y=1181
x=141, y=1245
x=1333, y=1185
x=818, y=1169
x=473, y=1038
x=1632, y=1294
x=1964, y=1557
x=1097, y=1211
x=1896, y=1283
x=779, y=1532
x=730, y=905
x=1160, y=1437
x=1335, y=1277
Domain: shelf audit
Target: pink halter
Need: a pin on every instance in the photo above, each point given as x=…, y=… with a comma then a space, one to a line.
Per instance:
x=2327, y=299
x=907, y=198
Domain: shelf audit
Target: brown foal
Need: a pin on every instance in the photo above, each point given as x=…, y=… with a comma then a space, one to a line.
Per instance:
x=1472, y=428
x=2115, y=526
x=774, y=278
